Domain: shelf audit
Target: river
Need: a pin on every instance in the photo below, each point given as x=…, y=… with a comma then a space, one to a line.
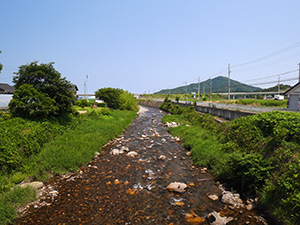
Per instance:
x=120, y=189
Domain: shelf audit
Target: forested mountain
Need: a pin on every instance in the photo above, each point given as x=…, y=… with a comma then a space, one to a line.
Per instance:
x=218, y=84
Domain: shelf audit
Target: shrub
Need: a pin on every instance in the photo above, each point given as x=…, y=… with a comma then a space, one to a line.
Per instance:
x=247, y=172
x=101, y=104
x=111, y=96
x=83, y=102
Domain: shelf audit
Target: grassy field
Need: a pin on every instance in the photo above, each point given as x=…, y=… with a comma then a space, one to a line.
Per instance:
x=63, y=153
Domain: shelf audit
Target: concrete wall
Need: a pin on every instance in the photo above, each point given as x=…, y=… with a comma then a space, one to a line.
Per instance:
x=224, y=113
x=154, y=104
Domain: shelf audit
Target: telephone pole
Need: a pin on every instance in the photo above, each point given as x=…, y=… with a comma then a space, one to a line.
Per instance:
x=185, y=89
x=278, y=84
x=87, y=90
x=210, y=90
x=199, y=88
x=299, y=72
x=84, y=89
x=229, y=82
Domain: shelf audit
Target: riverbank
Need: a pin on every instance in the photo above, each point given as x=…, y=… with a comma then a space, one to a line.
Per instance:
x=63, y=154
x=256, y=155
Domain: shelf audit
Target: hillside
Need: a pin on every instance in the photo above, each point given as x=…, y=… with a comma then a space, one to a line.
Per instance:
x=283, y=87
x=219, y=85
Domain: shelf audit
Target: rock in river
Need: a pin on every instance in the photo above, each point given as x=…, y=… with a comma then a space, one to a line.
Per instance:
x=177, y=187
x=132, y=154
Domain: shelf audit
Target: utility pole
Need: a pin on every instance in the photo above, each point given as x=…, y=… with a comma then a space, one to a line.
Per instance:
x=185, y=89
x=203, y=91
x=87, y=90
x=199, y=88
x=229, y=82
x=210, y=90
x=299, y=72
x=278, y=84
x=84, y=89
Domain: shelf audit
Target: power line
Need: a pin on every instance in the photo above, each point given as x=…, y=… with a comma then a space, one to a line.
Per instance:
x=272, y=82
x=275, y=75
x=288, y=48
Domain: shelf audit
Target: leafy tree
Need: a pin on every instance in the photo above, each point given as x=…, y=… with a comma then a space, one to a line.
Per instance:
x=128, y=102
x=111, y=96
x=48, y=94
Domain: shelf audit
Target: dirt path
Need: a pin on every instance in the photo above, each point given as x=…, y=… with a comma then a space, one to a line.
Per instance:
x=120, y=189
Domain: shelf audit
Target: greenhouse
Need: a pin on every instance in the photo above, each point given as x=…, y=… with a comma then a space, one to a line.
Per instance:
x=4, y=100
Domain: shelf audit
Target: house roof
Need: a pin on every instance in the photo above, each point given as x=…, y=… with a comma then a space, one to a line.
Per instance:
x=74, y=87
x=6, y=88
x=291, y=90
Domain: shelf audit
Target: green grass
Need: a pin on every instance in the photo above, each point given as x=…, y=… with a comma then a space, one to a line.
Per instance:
x=205, y=147
x=78, y=147
x=261, y=102
x=13, y=199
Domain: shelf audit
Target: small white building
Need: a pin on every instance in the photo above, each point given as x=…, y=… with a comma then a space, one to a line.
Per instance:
x=293, y=97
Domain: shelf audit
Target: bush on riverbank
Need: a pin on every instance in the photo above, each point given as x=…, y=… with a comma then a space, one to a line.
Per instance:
x=20, y=138
x=256, y=154
x=261, y=102
x=118, y=99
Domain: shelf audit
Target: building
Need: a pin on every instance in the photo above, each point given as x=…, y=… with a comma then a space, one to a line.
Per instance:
x=293, y=97
x=74, y=88
x=6, y=89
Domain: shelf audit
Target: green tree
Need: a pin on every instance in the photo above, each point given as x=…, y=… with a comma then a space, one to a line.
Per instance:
x=48, y=94
x=111, y=96
x=30, y=102
x=128, y=102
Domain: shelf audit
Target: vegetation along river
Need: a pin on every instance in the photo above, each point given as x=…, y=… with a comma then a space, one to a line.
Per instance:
x=130, y=187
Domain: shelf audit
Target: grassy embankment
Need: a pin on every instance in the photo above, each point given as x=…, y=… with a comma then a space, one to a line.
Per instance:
x=256, y=155
x=37, y=148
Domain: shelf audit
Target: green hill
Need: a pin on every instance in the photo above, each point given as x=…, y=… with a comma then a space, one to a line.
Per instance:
x=283, y=87
x=219, y=85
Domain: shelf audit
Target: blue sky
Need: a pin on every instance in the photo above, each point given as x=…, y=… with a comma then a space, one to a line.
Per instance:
x=148, y=45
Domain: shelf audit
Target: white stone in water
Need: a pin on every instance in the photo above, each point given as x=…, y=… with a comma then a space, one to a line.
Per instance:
x=125, y=149
x=216, y=219
x=177, y=187
x=162, y=157
x=132, y=154
x=232, y=199
x=213, y=197
x=204, y=170
x=115, y=152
